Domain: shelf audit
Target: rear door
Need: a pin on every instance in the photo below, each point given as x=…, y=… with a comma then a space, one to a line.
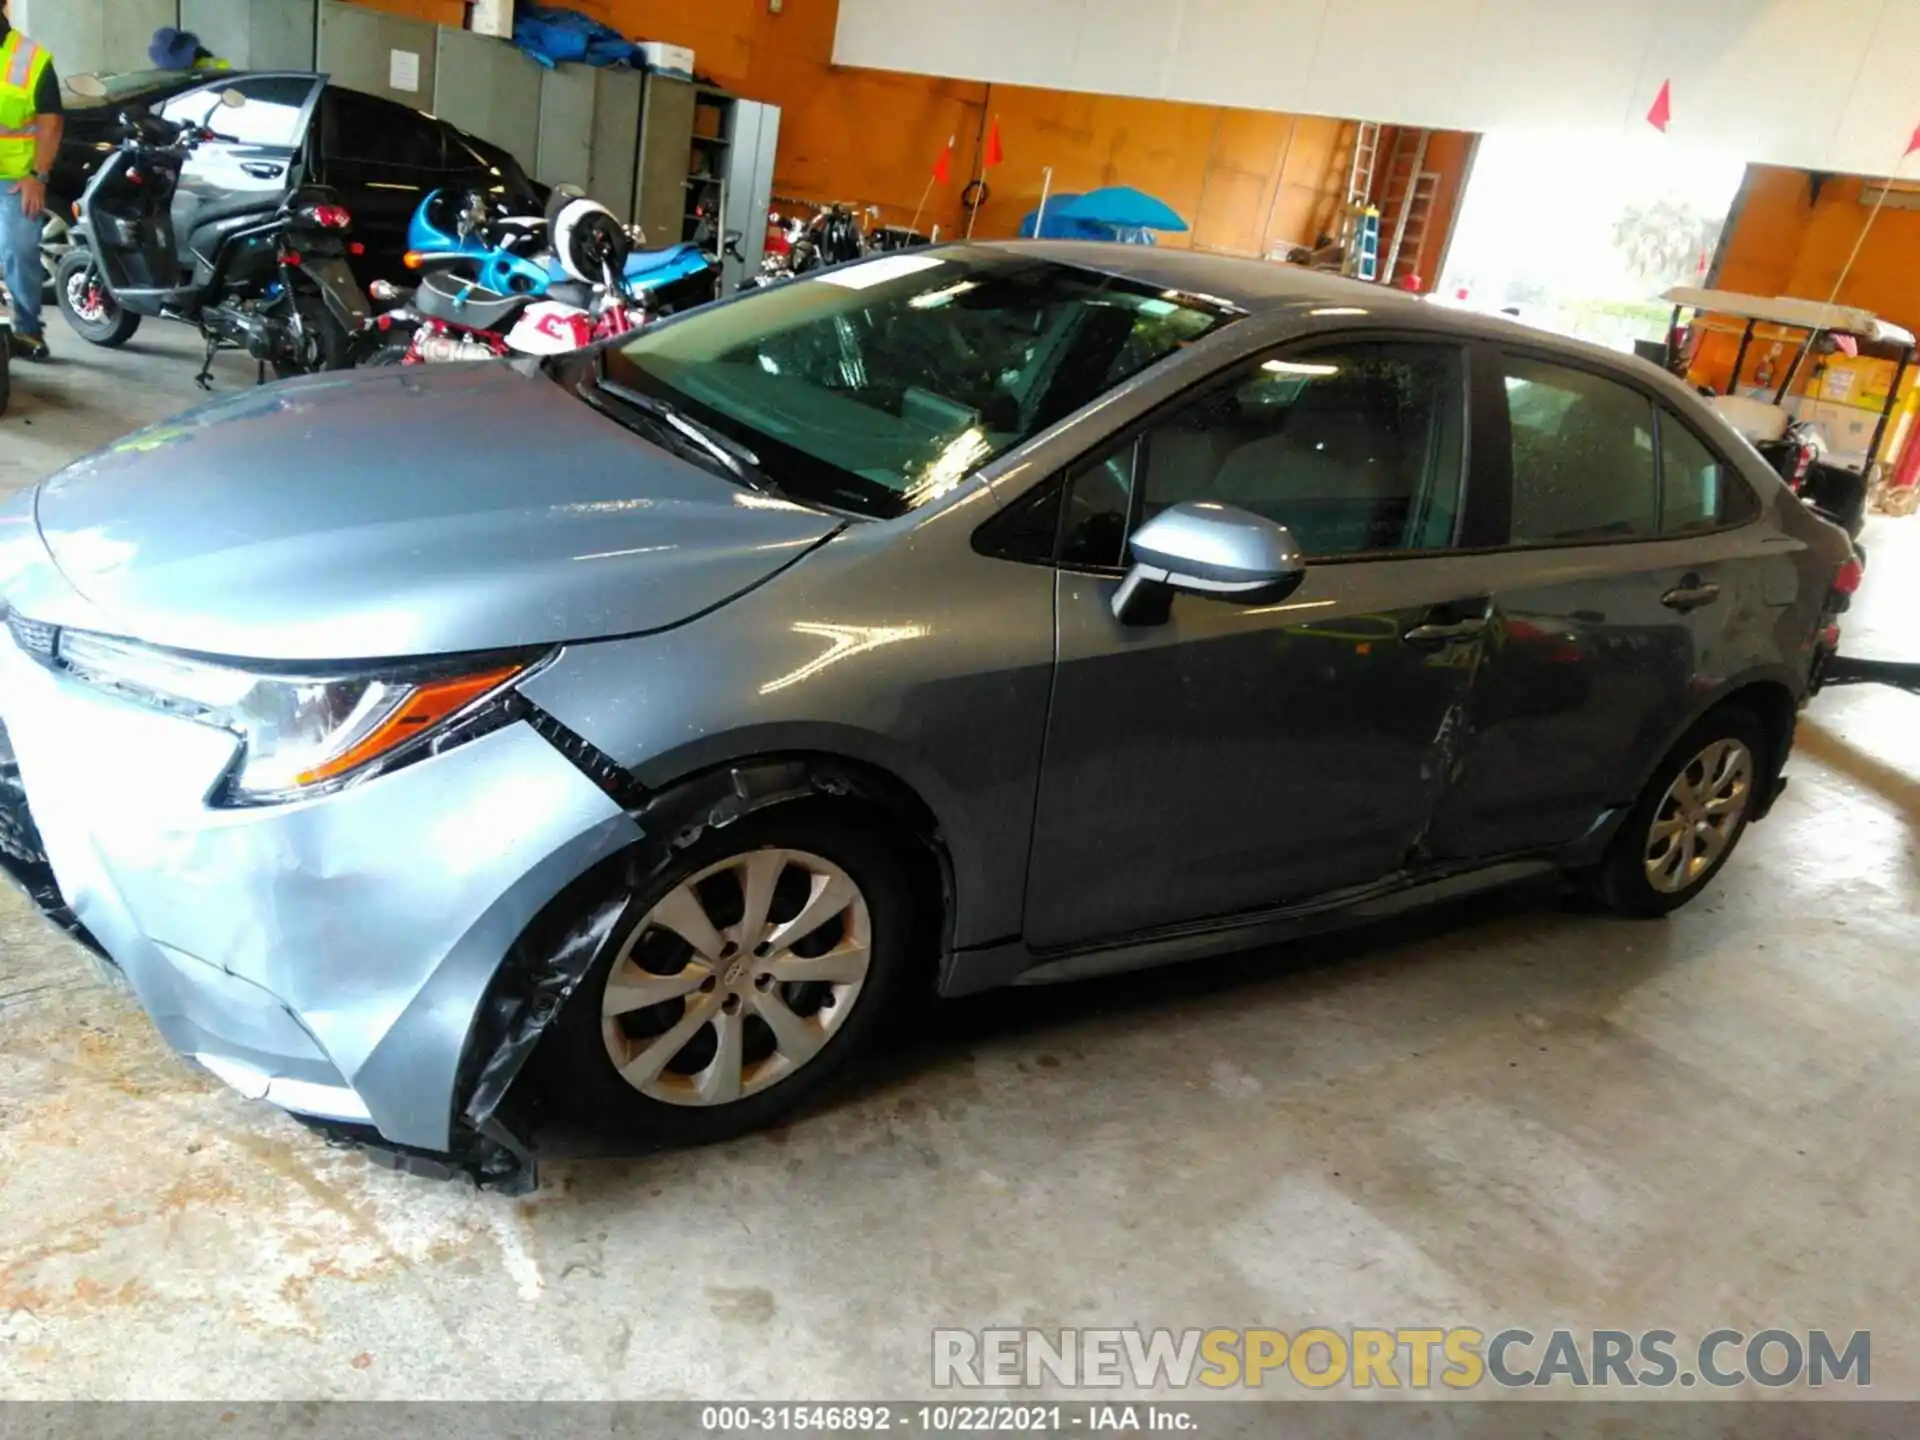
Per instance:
x=384, y=159
x=256, y=160
x=1631, y=584
x=1240, y=757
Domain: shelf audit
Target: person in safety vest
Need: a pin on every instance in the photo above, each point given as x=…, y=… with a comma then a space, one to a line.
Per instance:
x=30, y=122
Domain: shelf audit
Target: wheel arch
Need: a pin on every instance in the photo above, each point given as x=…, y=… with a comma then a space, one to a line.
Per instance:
x=1769, y=693
x=560, y=944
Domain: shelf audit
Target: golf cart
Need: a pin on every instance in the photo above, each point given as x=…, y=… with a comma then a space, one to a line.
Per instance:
x=1821, y=449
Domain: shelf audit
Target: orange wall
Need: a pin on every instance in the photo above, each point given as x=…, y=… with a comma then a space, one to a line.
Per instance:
x=1784, y=243
x=1243, y=179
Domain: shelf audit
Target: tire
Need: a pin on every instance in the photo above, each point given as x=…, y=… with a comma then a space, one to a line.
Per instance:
x=1642, y=877
x=677, y=1093
x=112, y=327
x=329, y=347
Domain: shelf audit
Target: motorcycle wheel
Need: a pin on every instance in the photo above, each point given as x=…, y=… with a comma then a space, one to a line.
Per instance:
x=325, y=342
x=92, y=312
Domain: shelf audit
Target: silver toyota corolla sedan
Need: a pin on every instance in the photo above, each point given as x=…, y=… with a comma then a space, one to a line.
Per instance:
x=662, y=713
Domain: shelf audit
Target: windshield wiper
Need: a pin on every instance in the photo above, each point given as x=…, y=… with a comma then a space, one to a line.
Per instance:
x=737, y=459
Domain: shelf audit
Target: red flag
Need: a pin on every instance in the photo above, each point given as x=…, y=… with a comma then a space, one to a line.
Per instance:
x=997, y=156
x=943, y=167
x=1661, y=115
x=1913, y=144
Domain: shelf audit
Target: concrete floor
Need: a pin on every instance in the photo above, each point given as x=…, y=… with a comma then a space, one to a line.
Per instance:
x=1512, y=1114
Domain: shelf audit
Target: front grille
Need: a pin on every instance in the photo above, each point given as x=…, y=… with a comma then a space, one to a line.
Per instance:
x=32, y=636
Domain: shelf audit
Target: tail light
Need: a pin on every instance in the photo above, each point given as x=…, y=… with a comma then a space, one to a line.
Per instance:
x=1846, y=580
x=355, y=248
x=1802, y=462
x=328, y=217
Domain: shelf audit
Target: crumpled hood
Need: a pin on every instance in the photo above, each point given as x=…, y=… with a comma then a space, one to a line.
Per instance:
x=416, y=511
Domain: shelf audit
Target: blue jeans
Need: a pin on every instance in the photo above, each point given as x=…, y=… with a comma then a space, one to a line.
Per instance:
x=20, y=260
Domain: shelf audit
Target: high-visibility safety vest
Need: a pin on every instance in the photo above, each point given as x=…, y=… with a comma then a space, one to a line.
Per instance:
x=22, y=63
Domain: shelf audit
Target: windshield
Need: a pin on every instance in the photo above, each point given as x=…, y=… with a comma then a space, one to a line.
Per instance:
x=130, y=85
x=876, y=387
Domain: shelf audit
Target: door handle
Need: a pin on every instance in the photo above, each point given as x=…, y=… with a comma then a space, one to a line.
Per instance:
x=261, y=170
x=1690, y=597
x=1445, y=634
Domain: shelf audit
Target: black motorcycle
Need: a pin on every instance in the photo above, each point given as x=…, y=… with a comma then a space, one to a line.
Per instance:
x=260, y=271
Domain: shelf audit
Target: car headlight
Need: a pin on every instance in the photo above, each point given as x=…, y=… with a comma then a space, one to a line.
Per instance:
x=301, y=734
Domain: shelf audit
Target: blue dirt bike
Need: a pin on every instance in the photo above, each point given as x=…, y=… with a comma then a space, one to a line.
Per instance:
x=513, y=255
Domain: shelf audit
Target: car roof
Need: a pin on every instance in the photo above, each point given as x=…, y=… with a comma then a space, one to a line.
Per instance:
x=1311, y=299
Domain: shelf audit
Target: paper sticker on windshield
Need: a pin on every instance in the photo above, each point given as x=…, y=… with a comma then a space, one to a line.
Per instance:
x=878, y=272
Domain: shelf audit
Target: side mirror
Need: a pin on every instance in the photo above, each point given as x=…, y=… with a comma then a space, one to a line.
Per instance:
x=87, y=87
x=233, y=99
x=1206, y=548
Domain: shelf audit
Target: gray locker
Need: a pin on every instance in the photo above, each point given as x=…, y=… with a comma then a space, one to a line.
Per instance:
x=660, y=179
x=97, y=37
x=589, y=121
x=256, y=34
x=565, y=154
x=489, y=89
x=751, y=148
x=367, y=49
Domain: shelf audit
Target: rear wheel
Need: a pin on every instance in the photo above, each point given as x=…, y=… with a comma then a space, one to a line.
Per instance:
x=1688, y=819
x=740, y=982
x=322, y=344
x=88, y=303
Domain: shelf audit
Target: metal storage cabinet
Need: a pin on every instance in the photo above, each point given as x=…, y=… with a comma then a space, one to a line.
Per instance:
x=660, y=178
x=751, y=147
x=357, y=46
x=95, y=36
x=588, y=124
x=256, y=34
x=489, y=89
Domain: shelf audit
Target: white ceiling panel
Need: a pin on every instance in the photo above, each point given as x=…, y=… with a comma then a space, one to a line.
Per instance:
x=1242, y=52
x=1406, y=61
x=1126, y=46
x=1820, y=83
x=1884, y=105
x=1563, y=66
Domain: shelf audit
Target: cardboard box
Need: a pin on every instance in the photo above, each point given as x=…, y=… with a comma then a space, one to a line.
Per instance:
x=670, y=59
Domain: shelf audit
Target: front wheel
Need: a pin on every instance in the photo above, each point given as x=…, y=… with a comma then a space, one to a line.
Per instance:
x=739, y=981
x=1688, y=819
x=87, y=301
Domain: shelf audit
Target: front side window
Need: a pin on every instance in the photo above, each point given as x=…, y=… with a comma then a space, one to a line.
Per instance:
x=271, y=116
x=1355, y=449
x=1583, y=465
x=879, y=386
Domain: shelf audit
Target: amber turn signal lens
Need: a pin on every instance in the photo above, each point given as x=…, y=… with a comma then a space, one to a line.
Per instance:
x=411, y=259
x=425, y=708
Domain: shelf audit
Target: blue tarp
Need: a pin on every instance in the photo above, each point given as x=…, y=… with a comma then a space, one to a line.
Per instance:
x=551, y=36
x=1123, y=208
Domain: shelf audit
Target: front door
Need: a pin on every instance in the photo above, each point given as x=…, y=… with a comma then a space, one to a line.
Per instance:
x=1240, y=757
x=1628, y=581
x=242, y=174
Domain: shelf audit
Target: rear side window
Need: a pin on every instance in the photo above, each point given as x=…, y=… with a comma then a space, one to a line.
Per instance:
x=1698, y=490
x=1583, y=456
x=373, y=131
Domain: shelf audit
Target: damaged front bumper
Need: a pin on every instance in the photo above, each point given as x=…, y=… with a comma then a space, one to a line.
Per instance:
x=337, y=956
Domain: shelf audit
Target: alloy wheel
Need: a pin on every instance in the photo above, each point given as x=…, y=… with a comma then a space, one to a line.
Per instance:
x=86, y=297
x=739, y=976
x=1697, y=818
